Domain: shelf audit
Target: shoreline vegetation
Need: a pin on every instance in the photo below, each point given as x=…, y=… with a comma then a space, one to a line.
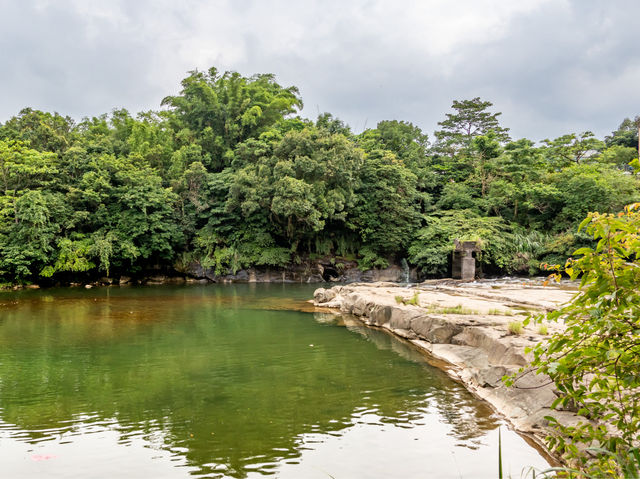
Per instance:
x=227, y=177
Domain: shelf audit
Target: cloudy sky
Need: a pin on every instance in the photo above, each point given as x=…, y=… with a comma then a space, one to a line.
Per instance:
x=551, y=66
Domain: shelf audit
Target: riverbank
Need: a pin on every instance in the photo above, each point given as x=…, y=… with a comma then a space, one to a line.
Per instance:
x=476, y=330
x=319, y=270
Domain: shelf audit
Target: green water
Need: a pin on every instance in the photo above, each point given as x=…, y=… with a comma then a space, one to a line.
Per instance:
x=227, y=381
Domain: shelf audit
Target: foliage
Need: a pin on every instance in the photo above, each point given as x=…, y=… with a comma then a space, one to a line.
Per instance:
x=594, y=361
x=572, y=148
x=386, y=196
x=626, y=135
x=515, y=327
x=414, y=301
x=434, y=243
x=222, y=110
x=470, y=119
x=227, y=176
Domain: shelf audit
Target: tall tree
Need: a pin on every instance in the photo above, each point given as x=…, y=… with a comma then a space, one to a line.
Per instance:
x=471, y=118
x=222, y=110
x=626, y=134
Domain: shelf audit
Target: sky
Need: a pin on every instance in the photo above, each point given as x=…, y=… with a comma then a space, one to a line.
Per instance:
x=550, y=66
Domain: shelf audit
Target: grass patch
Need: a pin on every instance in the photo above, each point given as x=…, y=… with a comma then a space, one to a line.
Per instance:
x=414, y=300
x=459, y=309
x=501, y=312
x=543, y=329
x=515, y=327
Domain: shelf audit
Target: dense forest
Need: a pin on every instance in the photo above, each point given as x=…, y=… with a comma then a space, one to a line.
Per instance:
x=227, y=174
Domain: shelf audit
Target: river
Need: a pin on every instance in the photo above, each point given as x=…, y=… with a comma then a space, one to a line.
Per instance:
x=237, y=381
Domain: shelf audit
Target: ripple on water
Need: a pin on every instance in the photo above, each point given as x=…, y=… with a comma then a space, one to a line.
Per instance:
x=221, y=382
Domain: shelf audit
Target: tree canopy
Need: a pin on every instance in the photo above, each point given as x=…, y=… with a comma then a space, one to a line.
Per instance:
x=228, y=175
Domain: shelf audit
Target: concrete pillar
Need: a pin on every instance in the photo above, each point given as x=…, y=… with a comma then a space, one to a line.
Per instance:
x=464, y=262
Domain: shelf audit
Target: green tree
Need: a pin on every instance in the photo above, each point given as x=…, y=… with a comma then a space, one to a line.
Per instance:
x=408, y=144
x=572, y=149
x=333, y=125
x=40, y=130
x=222, y=110
x=432, y=245
x=471, y=118
x=626, y=135
x=386, y=212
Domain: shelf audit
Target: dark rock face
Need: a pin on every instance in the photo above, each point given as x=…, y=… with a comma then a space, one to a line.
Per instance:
x=305, y=272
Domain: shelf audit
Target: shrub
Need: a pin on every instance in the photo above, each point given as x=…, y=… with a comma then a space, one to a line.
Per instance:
x=594, y=362
x=515, y=327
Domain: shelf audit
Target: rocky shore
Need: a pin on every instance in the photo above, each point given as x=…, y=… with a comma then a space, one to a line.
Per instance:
x=476, y=330
x=307, y=271
x=320, y=270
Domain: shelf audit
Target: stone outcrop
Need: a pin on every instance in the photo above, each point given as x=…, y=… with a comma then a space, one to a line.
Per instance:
x=467, y=327
x=305, y=272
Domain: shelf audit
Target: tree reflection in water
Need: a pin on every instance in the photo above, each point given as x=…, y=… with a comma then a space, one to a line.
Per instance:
x=207, y=375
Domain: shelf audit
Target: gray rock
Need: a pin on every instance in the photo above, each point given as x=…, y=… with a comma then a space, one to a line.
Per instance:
x=491, y=376
x=322, y=295
x=435, y=329
x=380, y=314
x=403, y=317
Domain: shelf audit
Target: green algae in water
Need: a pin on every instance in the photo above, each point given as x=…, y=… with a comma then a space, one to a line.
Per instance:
x=225, y=381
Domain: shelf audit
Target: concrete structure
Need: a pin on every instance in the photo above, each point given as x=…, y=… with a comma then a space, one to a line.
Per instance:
x=464, y=260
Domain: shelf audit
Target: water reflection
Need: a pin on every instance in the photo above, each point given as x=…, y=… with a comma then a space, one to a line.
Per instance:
x=469, y=418
x=216, y=378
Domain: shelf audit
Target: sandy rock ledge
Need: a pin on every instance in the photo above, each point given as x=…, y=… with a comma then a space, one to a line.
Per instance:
x=466, y=326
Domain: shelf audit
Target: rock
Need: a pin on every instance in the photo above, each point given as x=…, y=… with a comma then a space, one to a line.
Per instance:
x=176, y=280
x=380, y=314
x=435, y=329
x=241, y=276
x=32, y=286
x=393, y=273
x=88, y=286
x=156, y=279
x=105, y=280
x=308, y=271
x=461, y=355
x=500, y=349
x=402, y=318
x=322, y=295
x=360, y=306
x=490, y=376
x=124, y=280
x=405, y=333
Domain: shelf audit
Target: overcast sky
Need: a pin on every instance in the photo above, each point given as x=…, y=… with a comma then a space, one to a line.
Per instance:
x=550, y=66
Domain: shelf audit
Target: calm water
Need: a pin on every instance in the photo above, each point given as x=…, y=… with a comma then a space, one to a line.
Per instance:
x=225, y=381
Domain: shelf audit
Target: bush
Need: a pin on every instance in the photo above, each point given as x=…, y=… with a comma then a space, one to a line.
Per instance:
x=595, y=361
